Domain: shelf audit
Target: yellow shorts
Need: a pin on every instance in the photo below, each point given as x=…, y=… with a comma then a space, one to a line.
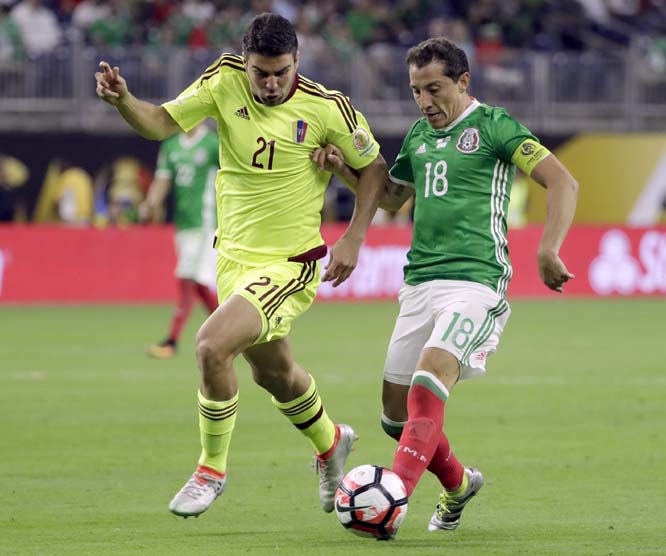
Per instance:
x=280, y=291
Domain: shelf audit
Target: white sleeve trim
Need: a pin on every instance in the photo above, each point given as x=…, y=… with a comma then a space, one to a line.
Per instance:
x=401, y=182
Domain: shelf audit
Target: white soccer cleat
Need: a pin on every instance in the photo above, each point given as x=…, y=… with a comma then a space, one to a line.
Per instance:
x=197, y=495
x=332, y=469
x=449, y=509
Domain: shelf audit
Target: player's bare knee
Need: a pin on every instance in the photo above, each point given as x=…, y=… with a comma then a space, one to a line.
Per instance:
x=444, y=365
x=210, y=352
x=264, y=380
x=272, y=377
x=394, y=401
x=394, y=412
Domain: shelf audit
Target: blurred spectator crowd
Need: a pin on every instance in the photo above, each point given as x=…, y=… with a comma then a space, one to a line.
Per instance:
x=482, y=27
x=72, y=196
x=330, y=31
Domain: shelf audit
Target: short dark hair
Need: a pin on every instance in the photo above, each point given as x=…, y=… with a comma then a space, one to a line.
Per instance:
x=442, y=51
x=270, y=35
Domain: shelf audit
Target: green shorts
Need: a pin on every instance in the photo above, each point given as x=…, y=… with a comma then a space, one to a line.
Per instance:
x=280, y=291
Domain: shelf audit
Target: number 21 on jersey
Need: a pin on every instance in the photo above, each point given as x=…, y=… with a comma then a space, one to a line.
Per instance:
x=435, y=179
x=263, y=143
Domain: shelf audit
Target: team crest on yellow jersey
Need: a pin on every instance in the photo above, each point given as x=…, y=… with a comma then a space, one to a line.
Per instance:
x=469, y=140
x=362, y=142
x=300, y=129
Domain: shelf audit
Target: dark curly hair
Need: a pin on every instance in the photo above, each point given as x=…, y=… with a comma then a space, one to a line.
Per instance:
x=270, y=35
x=440, y=50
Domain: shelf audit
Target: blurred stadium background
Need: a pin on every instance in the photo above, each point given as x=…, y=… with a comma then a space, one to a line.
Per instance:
x=89, y=422
x=587, y=76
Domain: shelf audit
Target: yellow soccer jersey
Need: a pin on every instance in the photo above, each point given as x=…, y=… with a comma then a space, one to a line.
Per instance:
x=269, y=192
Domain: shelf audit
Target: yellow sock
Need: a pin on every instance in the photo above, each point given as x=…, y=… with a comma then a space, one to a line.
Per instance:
x=307, y=414
x=462, y=488
x=216, y=423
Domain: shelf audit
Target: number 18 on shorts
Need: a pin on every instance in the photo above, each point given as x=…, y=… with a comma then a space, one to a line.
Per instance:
x=465, y=319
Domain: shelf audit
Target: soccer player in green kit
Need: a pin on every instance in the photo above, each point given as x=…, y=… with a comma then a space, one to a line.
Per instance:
x=188, y=162
x=269, y=197
x=458, y=161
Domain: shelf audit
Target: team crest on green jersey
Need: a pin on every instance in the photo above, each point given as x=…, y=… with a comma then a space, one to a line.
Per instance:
x=199, y=156
x=362, y=142
x=469, y=140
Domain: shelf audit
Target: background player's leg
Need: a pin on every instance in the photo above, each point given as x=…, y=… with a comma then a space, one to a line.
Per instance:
x=184, y=304
x=208, y=298
x=186, y=292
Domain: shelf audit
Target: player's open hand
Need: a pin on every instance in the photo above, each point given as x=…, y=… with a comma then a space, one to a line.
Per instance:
x=111, y=86
x=343, y=261
x=145, y=212
x=329, y=158
x=552, y=270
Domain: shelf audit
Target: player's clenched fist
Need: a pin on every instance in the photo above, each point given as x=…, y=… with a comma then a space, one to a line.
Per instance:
x=111, y=87
x=552, y=271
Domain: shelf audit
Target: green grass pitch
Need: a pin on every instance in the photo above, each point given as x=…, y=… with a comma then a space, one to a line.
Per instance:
x=569, y=428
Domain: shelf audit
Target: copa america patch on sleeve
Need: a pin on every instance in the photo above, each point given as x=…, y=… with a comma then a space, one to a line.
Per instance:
x=528, y=154
x=362, y=142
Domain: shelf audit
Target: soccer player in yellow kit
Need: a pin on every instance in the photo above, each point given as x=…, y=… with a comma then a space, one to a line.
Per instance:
x=269, y=197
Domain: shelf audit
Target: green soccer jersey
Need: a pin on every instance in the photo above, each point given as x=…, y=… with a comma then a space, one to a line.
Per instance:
x=191, y=163
x=269, y=192
x=462, y=178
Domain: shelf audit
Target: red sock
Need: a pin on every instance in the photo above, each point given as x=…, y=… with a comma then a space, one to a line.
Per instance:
x=186, y=291
x=420, y=437
x=208, y=297
x=445, y=466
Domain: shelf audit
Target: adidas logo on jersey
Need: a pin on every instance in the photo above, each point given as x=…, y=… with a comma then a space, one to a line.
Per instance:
x=242, y=113
x=421, y=149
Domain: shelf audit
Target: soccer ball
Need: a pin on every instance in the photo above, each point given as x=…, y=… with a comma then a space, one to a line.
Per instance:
x=371, y=501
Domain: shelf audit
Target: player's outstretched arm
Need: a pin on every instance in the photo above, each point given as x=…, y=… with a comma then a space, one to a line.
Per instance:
x=561, y=198
x=149, y=120
x=344, y=254
x=331, y=159
x=155, y=197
